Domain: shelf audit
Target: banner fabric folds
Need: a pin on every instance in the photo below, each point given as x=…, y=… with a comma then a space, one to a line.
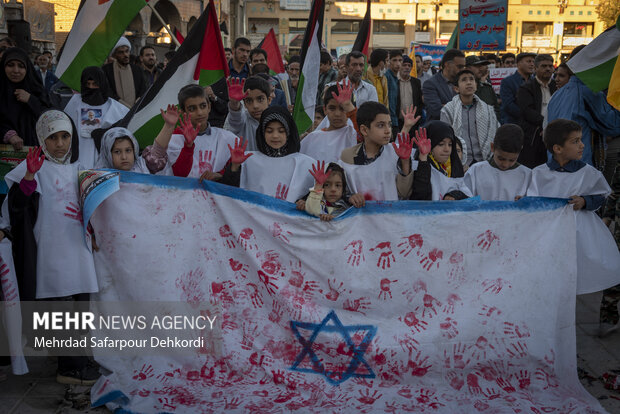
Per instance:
x=446, y=307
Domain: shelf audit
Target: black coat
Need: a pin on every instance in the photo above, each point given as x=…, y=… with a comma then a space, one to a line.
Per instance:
x=219, y=107
x=139, y=81
x=416, y=89
x=529, y=99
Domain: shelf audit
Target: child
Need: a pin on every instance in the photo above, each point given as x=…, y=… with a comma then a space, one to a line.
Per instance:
x=277, y=169
x=243, y=120
x=51, y=258
x=327, y=199
x=197, y=149
x=462, y=155
x=95, y=99
x=327, y=144
x=501, y=178
x=372, y=167
x=443, y=166
x=566, y=176
x=471, y=118
x=319, y=115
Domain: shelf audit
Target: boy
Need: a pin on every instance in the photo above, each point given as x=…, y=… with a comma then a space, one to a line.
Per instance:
x=327, y=144
x=242, y=120
x=471, y=118
x=372, y=167
x=502, y=177
x=199, y=150
x=566, y=176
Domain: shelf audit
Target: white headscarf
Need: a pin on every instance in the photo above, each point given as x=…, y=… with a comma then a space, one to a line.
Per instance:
x=123, y=41
x=49, y=123
x=107, y=142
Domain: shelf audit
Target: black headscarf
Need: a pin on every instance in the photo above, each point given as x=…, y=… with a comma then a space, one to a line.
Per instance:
x=93, y=96
x=15, y=115
x=277, y=113
x=437, y=131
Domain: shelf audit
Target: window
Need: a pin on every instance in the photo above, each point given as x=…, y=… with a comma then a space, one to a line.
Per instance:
x=422, y=26
x=389, y=26
x=297, y=25
x=578, y=29
x=446, y=27
x=345, y=26
x=537, y=28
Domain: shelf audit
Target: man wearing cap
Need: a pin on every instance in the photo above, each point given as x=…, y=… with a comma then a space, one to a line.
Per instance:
x=427, y=72
x=484, y=89
x=127, y=81
x=410, y=92
x=510, y=112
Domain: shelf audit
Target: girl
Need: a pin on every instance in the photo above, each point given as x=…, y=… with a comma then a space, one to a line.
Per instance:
x=51, y=258
x=327, y=199
x=277, y=140
x=446, y=170
x=93, y=109
x=23, y=99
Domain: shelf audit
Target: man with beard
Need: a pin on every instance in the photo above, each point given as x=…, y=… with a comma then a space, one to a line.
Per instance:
x=149, y=64
x=439, y=90
x=362, y=90
x=126, y=80
x=238, y=65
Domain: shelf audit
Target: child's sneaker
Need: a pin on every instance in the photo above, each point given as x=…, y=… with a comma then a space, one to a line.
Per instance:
x=85, y=376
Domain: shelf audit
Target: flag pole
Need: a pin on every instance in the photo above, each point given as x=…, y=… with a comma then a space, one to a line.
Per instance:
x=172, y=36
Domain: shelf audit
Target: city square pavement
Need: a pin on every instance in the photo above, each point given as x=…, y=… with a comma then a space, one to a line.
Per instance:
x=38, y=392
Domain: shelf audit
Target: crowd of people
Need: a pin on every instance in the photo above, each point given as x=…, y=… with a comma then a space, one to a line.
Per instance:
x=379, y=133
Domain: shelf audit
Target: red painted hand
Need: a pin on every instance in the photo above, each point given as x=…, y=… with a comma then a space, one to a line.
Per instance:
x=189, y=132
x=318, y=172
x=422, y=142
x=34, y=160
x=170, y=115
x=237, y=154
x=405, y=146
x=235, y=89
x=345, y=91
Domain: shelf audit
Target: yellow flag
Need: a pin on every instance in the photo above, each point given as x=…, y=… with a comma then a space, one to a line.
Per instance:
x=414, y=70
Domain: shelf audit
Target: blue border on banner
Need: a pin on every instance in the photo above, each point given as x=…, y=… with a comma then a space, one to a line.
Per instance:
x=419, y=208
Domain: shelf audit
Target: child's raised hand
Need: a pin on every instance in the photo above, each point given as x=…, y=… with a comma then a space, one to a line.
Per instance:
x=34, y=160
x=345, y=91
x=319, y=174
x=189, y=132
x=237, y=154
x=170, y=115
x=409, y=117
x=422, y=142
x=235, y=89
x=405, y=146
x=578, y=202
x=357, y=200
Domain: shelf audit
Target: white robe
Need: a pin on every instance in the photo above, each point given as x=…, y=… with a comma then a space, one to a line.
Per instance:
x=598, y=259
x=376, y=181
x=211, y=152
x=491, y=183
x=111, y=112
x=64, y=264
x=287, y=178
x=328, y=145
x=441, y=185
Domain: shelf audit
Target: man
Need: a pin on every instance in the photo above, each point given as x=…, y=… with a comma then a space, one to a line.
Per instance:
x=47, y=77
x=217, y=94
x=508, y=60
x=376, y=74
x=439, y=90
x=484, y=89
x=126, y=81
x=510, y=112
x=258, y=56
x=342, y=67
x=395, y=62
x=238, y=65
x=51, y=66
x=294, y=69
x=533, y=97
x=362, y=90
x=427, y=62
x=149, y=64
x=422, y=76
x=327, y=74
x=228, y=53
x=410, y=92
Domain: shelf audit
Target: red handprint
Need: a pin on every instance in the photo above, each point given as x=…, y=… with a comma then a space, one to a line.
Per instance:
x=357, y=305
x=495, y=285
x=386, y=256
x=404, y=147
x=232, y=404
x=479, y=350
x=385, y=288
x=279, y=233
x=486, y=239
x=179, y=216
x=408, y=343
x=268, y=281
x=34, y=159
x=486, y=372
x=226, y=234
x=429, y=305
x=281, y=191
x=418, y=365
x=504, y=384
x=457, y=272
x=205, y=161
x=452, y=300
x=491, y=393
x=235, y=89
x=74, y=212
x=271, y=263
x=247, y=239
x=455, y=380
x=422, y=142
x=448, y=327
x=472, y=384
x=516, y=331
x=9, y=290
x=357, y=254
x=237, y=153
x=428, y=261
x=518, y=349
x=334, y=291
x=457, y=359
x=238, y=267
x=367, y=398
x=189, y=132
x=345, y=91
x=488, y=311
x=276, y=312
x=144, y=373
x=413, y=322
x=319, y=174
x=249, y=334
x=255, y=296
x=523, y=377
x=411, y=242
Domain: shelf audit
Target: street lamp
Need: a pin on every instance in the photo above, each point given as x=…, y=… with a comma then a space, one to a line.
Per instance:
x=437, y=4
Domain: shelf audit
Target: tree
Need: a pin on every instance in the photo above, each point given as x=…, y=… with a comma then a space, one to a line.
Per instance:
x=608, y=11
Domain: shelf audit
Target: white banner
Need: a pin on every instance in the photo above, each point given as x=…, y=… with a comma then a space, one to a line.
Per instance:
x=449, y=307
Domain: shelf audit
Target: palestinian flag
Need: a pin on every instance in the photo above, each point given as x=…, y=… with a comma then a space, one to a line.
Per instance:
x=453, y=43
x=595, y=63
x=178, y=35
x=274, y=58
x=200, y=59
x=363, y=36
x=305, y=100
x=96, y=29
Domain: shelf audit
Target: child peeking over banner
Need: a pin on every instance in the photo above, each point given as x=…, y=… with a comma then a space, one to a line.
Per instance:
x=327, y=198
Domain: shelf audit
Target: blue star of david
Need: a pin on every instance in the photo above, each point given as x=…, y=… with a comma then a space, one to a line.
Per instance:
x=357, y=358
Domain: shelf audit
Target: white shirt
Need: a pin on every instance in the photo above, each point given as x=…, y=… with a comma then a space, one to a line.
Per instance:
x=364, y=92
